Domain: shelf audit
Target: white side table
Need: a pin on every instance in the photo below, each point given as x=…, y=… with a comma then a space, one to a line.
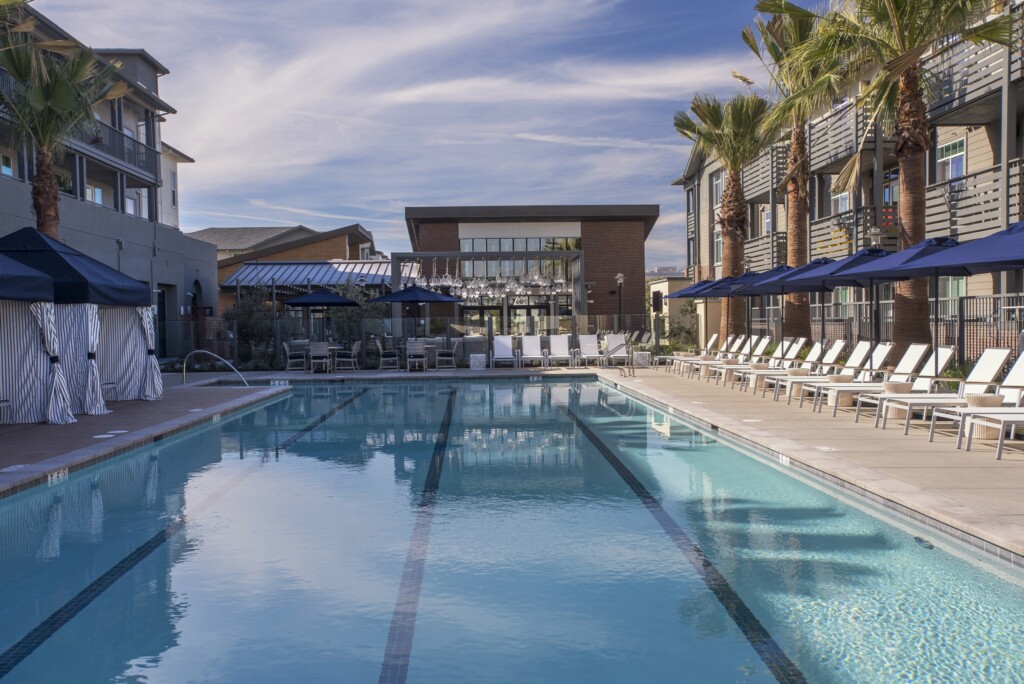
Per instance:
x=642, y=359
x=478, y=361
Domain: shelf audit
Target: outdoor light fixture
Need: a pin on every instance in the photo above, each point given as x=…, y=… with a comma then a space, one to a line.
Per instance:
x=875, y=235
x=619, y=280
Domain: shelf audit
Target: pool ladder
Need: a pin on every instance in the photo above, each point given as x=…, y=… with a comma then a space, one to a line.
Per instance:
x=184, y=365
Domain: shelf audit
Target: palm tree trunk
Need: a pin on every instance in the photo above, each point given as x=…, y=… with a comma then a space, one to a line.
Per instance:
x=733, y=221
x=797, y=305
x=910, y=309
x=46, y=195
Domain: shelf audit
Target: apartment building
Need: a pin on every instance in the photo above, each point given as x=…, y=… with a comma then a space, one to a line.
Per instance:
x=974, y=178
x=120, y=196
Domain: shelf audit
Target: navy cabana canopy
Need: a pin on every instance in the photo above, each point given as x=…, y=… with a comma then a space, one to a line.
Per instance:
x=719, y=288
x=686, y=291
x=778, y=284
x=414, y=295
x=113, y=346
x=77, y=278
x=321, y=298
x=895, y=265
x=23, y=283
x=830, y=275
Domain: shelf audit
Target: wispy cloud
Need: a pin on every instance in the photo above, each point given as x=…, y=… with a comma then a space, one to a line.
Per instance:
x=320, y=112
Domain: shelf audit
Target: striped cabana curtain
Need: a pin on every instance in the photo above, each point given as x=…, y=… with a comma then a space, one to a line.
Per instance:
x=152, y=381
x=73, y=349
x=94, y=404
x=58, y=403
x=121, y=354
x=24, y=366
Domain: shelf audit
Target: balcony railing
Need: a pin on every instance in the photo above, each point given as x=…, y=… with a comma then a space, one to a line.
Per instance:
x=765, y=172
x=691, y=224
x=118, y=146
x=758, y=251
x=843, y=234
x=964, y=73
x=834, y=138
x=967, y=207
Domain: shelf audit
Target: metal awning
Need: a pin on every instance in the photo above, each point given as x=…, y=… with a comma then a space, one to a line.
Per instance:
x=300, y=274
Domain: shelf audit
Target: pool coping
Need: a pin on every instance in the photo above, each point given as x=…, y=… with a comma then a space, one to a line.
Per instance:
x=57, y=468
x=719, y=426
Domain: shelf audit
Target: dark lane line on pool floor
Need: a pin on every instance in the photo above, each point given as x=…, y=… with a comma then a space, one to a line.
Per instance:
x=395, y=667
x=324, y=417
x=780, y=665
x=25, y=646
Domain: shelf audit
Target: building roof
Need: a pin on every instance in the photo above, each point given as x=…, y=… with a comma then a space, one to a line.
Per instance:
x=415, y=216
x=242, y=237
x=303, y=274
x=356, y=235
x=175, y=152
x=693, y=164
x=139, y=52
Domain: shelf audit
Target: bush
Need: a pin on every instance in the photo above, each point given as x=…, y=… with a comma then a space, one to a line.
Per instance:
x=682, y=327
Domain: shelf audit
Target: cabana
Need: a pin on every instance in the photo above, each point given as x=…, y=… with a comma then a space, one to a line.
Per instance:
x=104, y=321
x=33, y=388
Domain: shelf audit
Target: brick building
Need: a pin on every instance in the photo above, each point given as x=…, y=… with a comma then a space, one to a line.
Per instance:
x=576, y=252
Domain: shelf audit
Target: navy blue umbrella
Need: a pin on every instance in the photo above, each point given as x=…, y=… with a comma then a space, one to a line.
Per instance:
x=778, y=284
x=686, y=291
x=77, y=278
x=321, y=298
x=913, y=260
x=20, y=282
x=414, y=295
x=1002, y=251
x=724, y=288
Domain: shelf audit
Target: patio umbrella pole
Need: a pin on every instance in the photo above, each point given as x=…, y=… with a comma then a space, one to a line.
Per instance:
x=935, y=330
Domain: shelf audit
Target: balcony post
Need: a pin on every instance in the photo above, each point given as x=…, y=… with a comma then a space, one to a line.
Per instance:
x=1007, y=140
x=878, y=173
x=771, y=205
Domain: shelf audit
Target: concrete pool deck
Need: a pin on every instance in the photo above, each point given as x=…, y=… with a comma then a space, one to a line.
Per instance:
x=969, y=495
x=969, y=491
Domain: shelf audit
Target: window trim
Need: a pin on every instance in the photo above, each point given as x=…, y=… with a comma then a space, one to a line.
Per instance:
x=946, y=153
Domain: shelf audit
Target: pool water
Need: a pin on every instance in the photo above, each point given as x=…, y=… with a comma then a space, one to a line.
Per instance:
x=479, y=532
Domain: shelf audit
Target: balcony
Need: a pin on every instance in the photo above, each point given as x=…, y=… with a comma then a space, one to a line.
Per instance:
x=765, y=172
x=843, y=234
x=833, y=139
x=758, y=251
x=968, y=207
x=114, y=147
x=966, y=74
x=691, y=224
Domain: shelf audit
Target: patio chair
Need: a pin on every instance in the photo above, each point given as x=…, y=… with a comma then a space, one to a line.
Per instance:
x=388, y=358
x=319, y=357
x=784, y=356
x=502, y=352
x=1011, y=391
x=615, y=349
x=858, y=357
x=741, y=348
x=924, y=382
x=721, y=370
x=993, y=418
x=981, y=378
x=348, y=359
x=559, y=350
x=868, y=372
x=415, y=354
x=588, y=350
x=530, y=350
x=814, y=358
x=733, y=344
x=445, y=358
x=904, y=372
x=293, y=359
x=670, y=361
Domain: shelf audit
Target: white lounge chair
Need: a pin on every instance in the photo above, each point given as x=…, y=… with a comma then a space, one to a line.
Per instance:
x=923, y=383
x=740, y=346
x=615, y=349
x=670, y=361
x=530, y=350
x=903, y=372
x=733, y=343
x=502, y=351
x=999, y=421
x=784, y=357
x=588, y=350
x=858, y=357
x=1011, y=389
x=868, y=373
x=981, y=378
x=559, y=350
x=721, y=370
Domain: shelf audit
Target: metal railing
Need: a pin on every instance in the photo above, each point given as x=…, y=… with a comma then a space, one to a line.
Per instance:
x=763, y=173
x=964, y=73
x=184, y=365
x=765, y=252
x=967, y=207
x=121, y=147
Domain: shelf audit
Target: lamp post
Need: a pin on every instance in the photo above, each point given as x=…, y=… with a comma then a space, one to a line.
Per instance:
x=875, y=236
x=748, y=303
x=619, y=279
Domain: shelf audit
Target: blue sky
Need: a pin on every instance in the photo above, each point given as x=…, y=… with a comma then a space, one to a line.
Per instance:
x=326, y=113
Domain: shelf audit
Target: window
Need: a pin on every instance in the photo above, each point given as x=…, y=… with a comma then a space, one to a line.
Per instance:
x=64, y=182
x=174, y=188
x=689, y=200
x=840, y=202
x=952, y=287
x=951, y=161
x=891, y=188
x=766, y=221
x=717, y=255
x=131, y=206
x=533, y=244
x=506, y=244
x=94, y=194
x=689, y=252
x=717, y=188
x=466, y=245
x=6, y=165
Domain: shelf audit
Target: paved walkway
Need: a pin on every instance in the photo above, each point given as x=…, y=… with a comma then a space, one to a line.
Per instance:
x=30, y=452
x=970, y=491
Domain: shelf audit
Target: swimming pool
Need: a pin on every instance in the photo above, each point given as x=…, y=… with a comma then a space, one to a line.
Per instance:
x=471, y=532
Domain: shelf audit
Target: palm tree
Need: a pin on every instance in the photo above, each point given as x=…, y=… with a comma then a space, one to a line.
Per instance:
x=734, y=133
x=891, y=38
x=774, y=43
x=55, y=85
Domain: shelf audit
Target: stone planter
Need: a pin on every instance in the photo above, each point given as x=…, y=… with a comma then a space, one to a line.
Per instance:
x=843, y=399
x=896, y=388
x=982, y=401
x=794, y=387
